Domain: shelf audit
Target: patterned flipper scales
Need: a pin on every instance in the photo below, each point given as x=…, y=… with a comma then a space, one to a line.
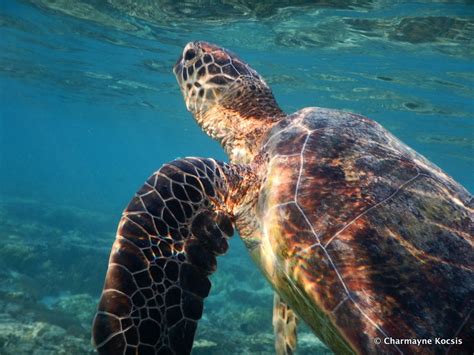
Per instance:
x=166, y=247
x=285, y=324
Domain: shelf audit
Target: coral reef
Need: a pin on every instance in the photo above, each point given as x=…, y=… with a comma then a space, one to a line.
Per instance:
x=52, y=266
x=50, y=275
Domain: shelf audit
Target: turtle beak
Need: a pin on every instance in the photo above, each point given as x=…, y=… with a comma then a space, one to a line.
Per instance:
x=178, y=72
x=178, y=68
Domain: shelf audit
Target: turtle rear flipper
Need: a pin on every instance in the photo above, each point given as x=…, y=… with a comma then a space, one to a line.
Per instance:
x=285, y=324
x=166, y=247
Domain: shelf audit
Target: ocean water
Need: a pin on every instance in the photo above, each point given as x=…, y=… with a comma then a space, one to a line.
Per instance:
x=89, y=108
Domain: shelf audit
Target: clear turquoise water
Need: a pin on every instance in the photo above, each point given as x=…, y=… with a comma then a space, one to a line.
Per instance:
x=90, y=108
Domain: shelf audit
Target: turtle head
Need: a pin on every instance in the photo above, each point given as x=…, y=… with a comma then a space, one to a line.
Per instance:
x=228, y=98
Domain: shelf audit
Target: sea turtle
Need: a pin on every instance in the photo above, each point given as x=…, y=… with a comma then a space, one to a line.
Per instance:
x=361, y=237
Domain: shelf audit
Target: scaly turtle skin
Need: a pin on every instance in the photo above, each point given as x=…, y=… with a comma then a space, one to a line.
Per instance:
x=360, y=236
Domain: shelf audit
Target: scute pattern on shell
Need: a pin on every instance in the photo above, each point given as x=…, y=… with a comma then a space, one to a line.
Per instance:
x=369, y=238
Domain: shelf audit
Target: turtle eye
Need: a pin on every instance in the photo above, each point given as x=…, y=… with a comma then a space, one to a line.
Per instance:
x=190, y=54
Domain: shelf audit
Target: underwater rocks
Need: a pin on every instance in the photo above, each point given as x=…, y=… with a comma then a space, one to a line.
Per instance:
x=38, y=338
x=47, y=260
x=29, y=328
x=52, y=268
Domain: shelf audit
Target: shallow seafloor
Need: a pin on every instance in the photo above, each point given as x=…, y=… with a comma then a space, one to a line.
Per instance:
x=50, y=275
x=89, y=108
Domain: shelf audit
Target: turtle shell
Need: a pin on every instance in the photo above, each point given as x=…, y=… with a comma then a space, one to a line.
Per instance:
x=365, y=238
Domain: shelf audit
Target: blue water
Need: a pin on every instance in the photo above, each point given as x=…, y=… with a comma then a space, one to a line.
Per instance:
x=90, y=108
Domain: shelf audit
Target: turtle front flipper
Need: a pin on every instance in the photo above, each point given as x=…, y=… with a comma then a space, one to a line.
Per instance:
x=166, y=247
x=285, y=323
